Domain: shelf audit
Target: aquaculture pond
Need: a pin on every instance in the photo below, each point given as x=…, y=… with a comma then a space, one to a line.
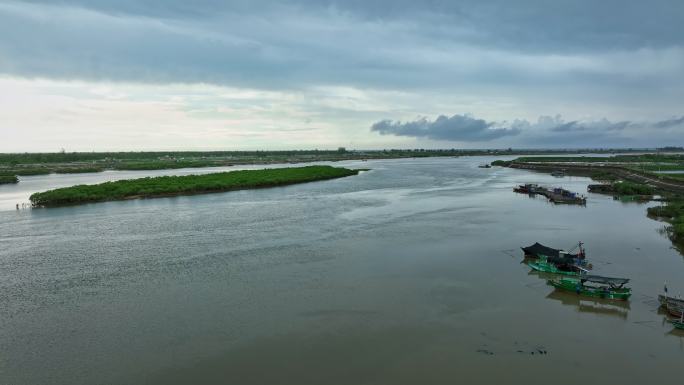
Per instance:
x=409, y=273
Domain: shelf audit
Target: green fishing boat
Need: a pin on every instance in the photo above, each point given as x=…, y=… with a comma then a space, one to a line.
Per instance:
x=679, y=324
x=595, y=286
x=546, y=266
x=674, y=306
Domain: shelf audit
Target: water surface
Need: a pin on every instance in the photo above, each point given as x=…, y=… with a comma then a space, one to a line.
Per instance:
x=409, y=273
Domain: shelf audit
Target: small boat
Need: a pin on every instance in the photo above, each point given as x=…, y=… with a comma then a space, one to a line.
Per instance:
x=527, y=188
x=557, y=265
x=561, y=195
x=537, y=250
x=594, y=286
x=665, y=300
x=555, y=195
x=678, y=323
x=674, y=306
x=558, y=174
x=486, y=165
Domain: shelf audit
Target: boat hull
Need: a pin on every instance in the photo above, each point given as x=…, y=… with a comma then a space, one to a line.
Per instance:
x=550, y=268
x=674, y=306
x=615, y=294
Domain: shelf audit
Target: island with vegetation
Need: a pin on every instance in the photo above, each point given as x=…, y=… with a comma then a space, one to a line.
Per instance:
x=165, y=186
x=635, y=177
x=7, y=179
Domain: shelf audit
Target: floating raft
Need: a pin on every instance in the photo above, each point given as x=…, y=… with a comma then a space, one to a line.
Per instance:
x=556, y=195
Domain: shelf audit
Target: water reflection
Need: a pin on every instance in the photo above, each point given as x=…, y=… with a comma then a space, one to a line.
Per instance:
x=584, y=304
x=595, y=306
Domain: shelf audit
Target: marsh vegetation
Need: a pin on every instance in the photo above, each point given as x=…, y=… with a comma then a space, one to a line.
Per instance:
x=184, y=185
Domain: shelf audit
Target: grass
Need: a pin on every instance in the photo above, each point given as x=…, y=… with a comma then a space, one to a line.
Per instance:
x=642, y=158
x=184, y=185
x=676, y=176
x=659, y=167
x=77, y=170
x=629, y=188
x=501, y=163
x=603, y=176
x=673, y=213
x=28, y=171
x=163, y=165
x=8, y=179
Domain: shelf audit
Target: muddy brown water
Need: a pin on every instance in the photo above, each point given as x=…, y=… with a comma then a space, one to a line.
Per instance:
x=409, y=273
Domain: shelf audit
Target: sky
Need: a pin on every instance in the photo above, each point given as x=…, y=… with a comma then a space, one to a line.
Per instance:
x=119, y=75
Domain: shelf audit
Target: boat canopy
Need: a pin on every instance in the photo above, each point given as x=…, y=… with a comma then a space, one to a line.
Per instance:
x=539, y=249
x=562, y=260
x=605, y=280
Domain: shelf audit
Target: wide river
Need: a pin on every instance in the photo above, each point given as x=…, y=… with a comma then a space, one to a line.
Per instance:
x=406, y=274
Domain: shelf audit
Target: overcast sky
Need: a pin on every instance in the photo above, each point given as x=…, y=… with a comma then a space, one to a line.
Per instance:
x=90, y=75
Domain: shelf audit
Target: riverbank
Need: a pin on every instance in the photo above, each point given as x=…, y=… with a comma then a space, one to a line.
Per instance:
x=26, y=164
x=166, y=186
x=624, y=177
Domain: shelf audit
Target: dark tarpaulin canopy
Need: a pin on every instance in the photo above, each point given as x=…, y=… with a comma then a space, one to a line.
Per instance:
x=605, y=280
x=539, y=249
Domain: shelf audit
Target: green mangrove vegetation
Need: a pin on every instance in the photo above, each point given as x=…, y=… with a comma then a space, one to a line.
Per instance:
x=673, y=213
x=630, y=188
x=164, y=165
x=77, y=170
x=501, y=163
x=636, y=158
x=28, y=171
x=8, y=179
x=184, y=185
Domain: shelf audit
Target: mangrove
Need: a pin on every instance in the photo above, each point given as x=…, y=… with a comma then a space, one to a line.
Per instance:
x=8, y=179
x=673, y=213
x=164, y=186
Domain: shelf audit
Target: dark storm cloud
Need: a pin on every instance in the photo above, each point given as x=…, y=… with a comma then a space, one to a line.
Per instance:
x=674, y=122
x=602, y=125
x=456, y=128
x=587, y=56
x=532, y=24
x=547, y=130
x=383, y=44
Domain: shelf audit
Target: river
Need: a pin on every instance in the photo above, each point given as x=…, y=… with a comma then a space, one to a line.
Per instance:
x=409, y=273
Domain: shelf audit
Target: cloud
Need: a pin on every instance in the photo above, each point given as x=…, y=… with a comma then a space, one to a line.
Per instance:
x=378, y=44
x=674, y=122
x=601, y=125
x=546, y=131
x=345, y=64
x=454, y=128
